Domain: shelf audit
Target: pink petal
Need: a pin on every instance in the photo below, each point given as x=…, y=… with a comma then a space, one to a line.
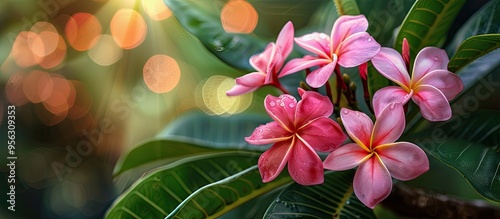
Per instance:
x=433, y=104
x=301, y=91
x=312, y=106
x=391, y=65
x=388, y=95
x=357, y=49
x=322, y=134
x=320, y=76
x=272, y=162
x=299, y=64
x=260, y=61
x=405, y=51
x=404, y=160
x=254, y=79
x=447, y=82
x=268, y=62
x=285, y=39
x=305, y=166
x=358, y=126
x=282, y=110
x=372, y=182
x=427, y=60
x=346, y=26
x=239, y=90
x=317, y=43
x=390, y=125
x=274, y=63
x=269, y=133
x=346, y=157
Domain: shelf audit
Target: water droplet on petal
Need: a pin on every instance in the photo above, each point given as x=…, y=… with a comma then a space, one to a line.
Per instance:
x=346, y=112
x=291, y=105
x=369, y=39
x=436, y=58
x=393, y=105
x=272, y=103
x=357, y=113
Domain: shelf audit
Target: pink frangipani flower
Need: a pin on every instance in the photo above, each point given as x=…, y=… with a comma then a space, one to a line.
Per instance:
x=431, y=85
x=298, y=130
x=376, y=153
x=348, y=45
x=268, y=64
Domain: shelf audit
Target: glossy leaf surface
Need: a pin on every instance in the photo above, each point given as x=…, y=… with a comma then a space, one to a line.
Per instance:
x=332, y=199
x=472, y=49
x=195, y=187
x=427, y=24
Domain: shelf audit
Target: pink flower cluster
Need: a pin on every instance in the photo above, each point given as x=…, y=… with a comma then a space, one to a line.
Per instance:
x=302, y=128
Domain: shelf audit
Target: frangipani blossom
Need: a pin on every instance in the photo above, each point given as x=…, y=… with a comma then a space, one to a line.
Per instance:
x=348, y=45
x=376, y=153
x=298, y=130
x=268, y=64
x=431, y=85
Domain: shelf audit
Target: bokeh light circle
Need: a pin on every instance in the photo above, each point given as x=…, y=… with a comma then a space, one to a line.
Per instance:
x=156, y=9
x=211, y=97
x=83, y=31
x=14, y=89
x=45, y=39
x=56, y=57
x=21, y=51
x=37, y=86
x=59, y=100
x=239, y=16
x=106, y=52
x=161, y=73
x=82, y=102
x=48, y=118
x=128, y=28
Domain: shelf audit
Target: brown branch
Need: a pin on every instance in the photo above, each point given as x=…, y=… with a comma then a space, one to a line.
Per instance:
x=413, y=202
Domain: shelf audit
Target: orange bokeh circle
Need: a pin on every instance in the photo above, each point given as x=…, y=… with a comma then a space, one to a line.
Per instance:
x=128, y=28
x=239, y=16
x=83, y=31
x=161, y=73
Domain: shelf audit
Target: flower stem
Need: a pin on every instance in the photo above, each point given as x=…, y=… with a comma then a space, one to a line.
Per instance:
x=342, y=88
x=418, y=203
x=329, y=91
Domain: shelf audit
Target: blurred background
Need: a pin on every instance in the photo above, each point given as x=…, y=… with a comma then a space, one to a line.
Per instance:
x=90, y=79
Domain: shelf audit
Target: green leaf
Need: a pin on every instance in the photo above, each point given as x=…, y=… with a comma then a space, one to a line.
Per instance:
x=346, y=7
x=484, y=21
x=332, y=199
x=203, y=186
x=156, y=150
x=375, y=80
x=201, y=20
x=322, y=19
x=384, y=16
x=473, y=48
x=215, y=131
x=467, y=144
x=427, y=24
